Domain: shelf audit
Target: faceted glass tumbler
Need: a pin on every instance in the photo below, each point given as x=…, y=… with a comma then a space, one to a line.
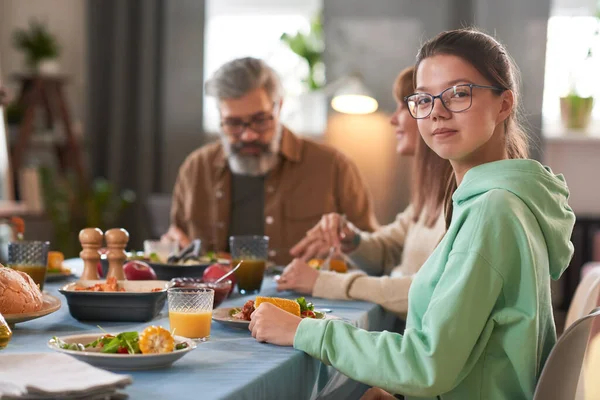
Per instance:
x=30, y=257
x=252, y=251
x=190, y=311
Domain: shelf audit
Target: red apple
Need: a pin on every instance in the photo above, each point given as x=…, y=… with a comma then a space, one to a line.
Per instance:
x=136, y=270
x=215, y=271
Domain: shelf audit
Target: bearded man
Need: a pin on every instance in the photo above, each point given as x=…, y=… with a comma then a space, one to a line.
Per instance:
x=260, y=178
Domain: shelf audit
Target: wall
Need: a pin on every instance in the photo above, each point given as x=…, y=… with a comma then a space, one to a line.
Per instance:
x=522, y=27
x=378, y=39
x=66, y=19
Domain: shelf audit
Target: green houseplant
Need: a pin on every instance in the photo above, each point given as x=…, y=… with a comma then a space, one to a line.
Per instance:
x=310, y=47
x=575, y=109
x=72, y=208
x=37, y=43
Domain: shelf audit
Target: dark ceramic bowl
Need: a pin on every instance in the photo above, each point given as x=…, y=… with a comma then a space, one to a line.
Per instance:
x=137, y=304
x=222, y=289
x=167, y=272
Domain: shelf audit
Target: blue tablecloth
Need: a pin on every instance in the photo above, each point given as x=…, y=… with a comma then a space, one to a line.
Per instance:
x=231, y=365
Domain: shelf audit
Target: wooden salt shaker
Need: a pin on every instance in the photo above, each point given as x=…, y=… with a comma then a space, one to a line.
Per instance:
x=116, y=241
x=91, y=241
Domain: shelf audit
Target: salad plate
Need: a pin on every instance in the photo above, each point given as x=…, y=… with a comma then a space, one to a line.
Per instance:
x=75, y=345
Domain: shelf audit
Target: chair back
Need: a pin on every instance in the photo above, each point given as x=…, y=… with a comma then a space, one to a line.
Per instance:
x=560, y=376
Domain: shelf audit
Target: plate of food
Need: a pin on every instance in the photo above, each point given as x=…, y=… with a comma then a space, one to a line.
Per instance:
x=56, y=269
x=154, y=347
x=21, y=299
x=239, y=317
x=187, y=263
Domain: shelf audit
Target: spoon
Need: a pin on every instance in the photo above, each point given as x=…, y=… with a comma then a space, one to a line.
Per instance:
x=229, y=273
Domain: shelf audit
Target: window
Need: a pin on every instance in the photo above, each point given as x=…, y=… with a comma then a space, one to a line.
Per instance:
x=569, y=38
x=235, y=28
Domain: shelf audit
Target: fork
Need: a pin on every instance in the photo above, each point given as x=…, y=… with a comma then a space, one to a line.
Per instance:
x=332, y=249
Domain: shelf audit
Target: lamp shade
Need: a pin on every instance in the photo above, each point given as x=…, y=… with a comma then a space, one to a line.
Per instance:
x=353, y=97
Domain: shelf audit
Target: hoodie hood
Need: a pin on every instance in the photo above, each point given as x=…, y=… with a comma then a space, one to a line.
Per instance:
x=545, y=193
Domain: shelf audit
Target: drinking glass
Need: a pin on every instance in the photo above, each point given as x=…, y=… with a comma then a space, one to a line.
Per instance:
x=190, y=311
x=30, y=257
x=253, y=251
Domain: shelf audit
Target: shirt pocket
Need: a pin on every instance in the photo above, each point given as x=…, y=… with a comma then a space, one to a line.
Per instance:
x=304, y=213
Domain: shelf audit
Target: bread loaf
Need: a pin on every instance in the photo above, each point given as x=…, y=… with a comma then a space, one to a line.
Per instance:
x=18, y=292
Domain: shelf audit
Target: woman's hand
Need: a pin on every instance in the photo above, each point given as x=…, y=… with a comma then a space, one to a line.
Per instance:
x=271, y=324
x=175, y=234
x=299, y=277
x=331, y=231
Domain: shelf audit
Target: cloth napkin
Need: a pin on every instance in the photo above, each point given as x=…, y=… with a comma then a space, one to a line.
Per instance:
x=56, y=376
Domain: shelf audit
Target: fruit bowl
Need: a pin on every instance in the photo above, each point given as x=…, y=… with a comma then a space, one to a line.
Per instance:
x=222, y=289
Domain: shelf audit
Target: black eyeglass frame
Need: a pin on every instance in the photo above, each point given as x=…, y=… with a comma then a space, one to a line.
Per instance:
x=246, y=125
x=439, y=96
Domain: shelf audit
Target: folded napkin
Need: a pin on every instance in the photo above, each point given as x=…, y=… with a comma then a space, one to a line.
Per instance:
x=56, y=376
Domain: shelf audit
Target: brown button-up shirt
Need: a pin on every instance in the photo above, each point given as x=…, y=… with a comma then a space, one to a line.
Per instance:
x=310, y=180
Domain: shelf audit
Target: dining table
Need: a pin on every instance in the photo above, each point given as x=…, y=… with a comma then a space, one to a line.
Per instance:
x=231, y=364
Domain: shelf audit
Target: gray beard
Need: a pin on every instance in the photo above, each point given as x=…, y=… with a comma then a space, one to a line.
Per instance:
x=241, y=164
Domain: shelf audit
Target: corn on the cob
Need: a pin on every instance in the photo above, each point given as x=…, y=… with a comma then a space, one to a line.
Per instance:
x=290, y=306
x=157, y=340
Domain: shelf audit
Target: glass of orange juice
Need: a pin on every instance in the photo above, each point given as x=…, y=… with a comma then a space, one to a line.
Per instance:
x=253, y=251
x=190, y=312
x=30, y=257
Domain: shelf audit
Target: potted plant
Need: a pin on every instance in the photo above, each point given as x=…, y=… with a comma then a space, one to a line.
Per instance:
x=576, y=111
x=72, y=208
x=310, y=47
x=575, y=108
x=40, y=47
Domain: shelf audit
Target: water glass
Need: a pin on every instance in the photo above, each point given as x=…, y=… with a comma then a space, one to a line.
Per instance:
x=163, y=249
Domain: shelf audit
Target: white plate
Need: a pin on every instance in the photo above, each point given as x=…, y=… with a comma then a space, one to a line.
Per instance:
x=223, y=316
x=75, y=265
x=50, y=305
x=121, y=362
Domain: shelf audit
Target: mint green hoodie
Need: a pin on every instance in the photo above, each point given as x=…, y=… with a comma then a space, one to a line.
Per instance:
x=480, y=323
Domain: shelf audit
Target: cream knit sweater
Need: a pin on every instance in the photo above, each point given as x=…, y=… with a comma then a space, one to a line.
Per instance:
x=391, y=255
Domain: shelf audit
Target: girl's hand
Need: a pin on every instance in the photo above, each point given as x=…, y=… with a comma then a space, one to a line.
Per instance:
x=271, y=324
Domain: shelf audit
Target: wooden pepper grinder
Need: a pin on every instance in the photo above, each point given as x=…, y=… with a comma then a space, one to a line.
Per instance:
x=91, y=241
x=116, y=241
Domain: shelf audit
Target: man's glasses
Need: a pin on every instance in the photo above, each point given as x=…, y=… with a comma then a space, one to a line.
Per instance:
x=258, y=123
x=455, y=99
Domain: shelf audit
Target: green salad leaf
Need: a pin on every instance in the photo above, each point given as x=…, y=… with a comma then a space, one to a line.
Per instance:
x=304, y=305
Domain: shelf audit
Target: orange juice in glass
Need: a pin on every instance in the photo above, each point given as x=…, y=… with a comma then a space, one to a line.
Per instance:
x=190, y=312
x=253, y=251
x=30, y=257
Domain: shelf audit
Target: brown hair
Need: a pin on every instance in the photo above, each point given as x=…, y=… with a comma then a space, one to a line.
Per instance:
x=492, y=61
x=430, y=171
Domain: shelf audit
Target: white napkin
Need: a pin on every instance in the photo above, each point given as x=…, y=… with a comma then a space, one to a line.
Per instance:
x=56, y=376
